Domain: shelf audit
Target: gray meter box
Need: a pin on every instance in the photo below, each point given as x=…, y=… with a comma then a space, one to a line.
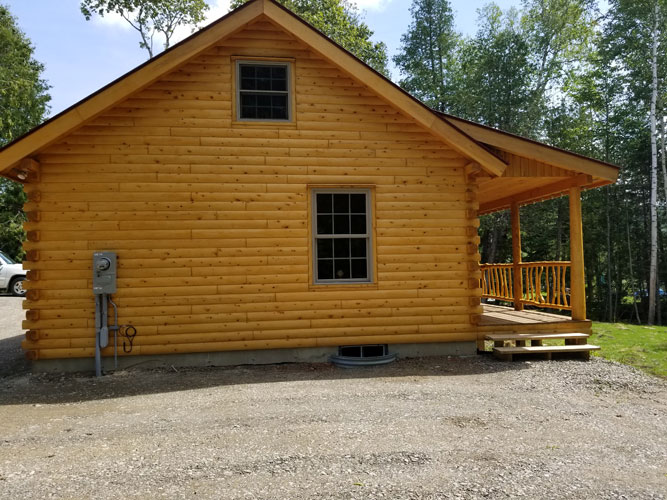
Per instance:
x=104, y=272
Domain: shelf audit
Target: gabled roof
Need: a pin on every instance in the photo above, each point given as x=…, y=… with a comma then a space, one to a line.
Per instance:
x=534, y=150
x=74, y=117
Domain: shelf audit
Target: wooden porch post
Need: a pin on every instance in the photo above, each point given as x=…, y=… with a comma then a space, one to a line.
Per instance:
x=516, y=257
x=577, y=284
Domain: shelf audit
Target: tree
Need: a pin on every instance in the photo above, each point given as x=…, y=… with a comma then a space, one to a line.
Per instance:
x=339, y=20
x=428, y=53
x=23, y=93
x=559, y=33
x=494, y=86
x=634, y=34
x=150, y=17
x=23, y=104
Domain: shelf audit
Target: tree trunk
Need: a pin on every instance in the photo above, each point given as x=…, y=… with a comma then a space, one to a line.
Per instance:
x=633, y=289
x=653, y=266
x=610, y=295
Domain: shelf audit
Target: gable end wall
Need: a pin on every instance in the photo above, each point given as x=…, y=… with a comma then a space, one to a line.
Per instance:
x=210, y=218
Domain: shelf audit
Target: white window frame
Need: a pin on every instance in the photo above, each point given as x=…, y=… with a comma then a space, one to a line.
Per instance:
x=367, y=236
x=288, y=92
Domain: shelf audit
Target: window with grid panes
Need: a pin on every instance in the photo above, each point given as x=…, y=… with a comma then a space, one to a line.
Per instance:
x=342, y=236
x=263, y=91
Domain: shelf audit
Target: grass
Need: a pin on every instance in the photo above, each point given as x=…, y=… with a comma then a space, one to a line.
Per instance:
x=644, y=347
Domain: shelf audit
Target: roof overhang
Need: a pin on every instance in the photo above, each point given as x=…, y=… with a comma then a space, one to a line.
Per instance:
x=558, y=169
x=534, y=150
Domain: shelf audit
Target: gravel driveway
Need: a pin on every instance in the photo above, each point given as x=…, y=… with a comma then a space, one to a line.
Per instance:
x=417, y=429
x=12, y=359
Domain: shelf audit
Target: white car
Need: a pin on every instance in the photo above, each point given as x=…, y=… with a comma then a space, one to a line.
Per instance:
x=12, y=276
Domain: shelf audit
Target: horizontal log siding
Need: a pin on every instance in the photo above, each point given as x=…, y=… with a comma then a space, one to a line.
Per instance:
x=210, y=218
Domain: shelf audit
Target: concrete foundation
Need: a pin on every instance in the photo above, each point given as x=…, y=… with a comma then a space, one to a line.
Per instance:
x=234, y=358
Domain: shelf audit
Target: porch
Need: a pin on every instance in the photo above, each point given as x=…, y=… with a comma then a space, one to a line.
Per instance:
x=531, y=287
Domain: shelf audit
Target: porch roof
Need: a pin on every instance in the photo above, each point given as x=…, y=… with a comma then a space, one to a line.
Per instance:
x=535, y=171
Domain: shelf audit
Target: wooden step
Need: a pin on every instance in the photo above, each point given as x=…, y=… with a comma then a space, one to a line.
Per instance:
x=499, y=337
x=546, y=348
x=506, y=353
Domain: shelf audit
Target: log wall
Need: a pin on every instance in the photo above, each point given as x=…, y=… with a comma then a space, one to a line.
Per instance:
x=210, y=218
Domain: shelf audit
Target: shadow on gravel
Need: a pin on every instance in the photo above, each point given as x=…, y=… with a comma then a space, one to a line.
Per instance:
x=26, y=388
x=12, y=359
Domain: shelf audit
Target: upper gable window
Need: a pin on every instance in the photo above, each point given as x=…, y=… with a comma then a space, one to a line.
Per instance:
x=263, y=91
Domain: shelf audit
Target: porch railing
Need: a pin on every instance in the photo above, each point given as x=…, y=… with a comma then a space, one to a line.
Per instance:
x=543, y=284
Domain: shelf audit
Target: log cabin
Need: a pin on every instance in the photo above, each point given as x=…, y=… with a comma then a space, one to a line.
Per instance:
x=269, y=197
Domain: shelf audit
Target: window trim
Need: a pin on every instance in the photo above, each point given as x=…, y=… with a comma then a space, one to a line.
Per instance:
x=289, y=92
x=369, y=236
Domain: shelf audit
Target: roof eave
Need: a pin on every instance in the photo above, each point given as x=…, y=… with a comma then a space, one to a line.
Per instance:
x=531, y=149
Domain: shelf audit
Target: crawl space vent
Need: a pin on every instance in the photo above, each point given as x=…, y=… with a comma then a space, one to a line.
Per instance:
x=363, y=355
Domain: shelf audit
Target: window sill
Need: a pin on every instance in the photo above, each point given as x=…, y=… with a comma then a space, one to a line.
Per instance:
x=262, y=124
x=342, y=286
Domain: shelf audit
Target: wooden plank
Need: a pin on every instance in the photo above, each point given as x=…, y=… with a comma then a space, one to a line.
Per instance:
x=535, y=336
x=546, y=349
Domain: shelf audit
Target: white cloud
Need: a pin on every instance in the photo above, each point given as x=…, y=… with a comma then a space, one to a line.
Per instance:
x=218, y=9
x=111, y=20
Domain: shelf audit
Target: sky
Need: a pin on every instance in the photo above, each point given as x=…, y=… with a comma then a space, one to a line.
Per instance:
x=82, y=56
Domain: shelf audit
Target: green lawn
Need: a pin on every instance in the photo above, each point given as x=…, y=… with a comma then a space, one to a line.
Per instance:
x=644, y=347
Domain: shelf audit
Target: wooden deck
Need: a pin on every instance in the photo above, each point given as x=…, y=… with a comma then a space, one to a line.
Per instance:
x=501, y=319
x=502, y=315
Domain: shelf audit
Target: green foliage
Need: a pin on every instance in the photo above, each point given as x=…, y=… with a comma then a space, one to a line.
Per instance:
x=644, y=347
x=23, y=93
x=150, y=17
x=23, y=104
x=428, y=55
x=339, y=20
x=12, y=217
x=496, y=73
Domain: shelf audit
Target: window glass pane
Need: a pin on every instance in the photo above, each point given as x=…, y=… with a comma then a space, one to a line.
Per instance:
x=324, y=224
x=341, y=203
x=263, y=112
x=342, y=269
x=325, y=269
x=358, y=224
x=324, y=203
x=324, y=249
x=263, y=100
x=247, y=71
x=359, y=268
x=358, y=203
x=341, y=224
x=358, y=247
x=263, y=77
x=264, y=106
x=279, y=107
x=341, y=247
x=279, y=78
x=341, y=258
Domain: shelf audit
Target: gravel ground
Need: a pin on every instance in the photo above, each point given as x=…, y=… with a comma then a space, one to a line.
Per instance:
x=11, y=335
x=417, y=429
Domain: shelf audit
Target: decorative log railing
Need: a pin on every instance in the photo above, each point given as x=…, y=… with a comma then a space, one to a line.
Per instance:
x=544, y=284
x=497, y=281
